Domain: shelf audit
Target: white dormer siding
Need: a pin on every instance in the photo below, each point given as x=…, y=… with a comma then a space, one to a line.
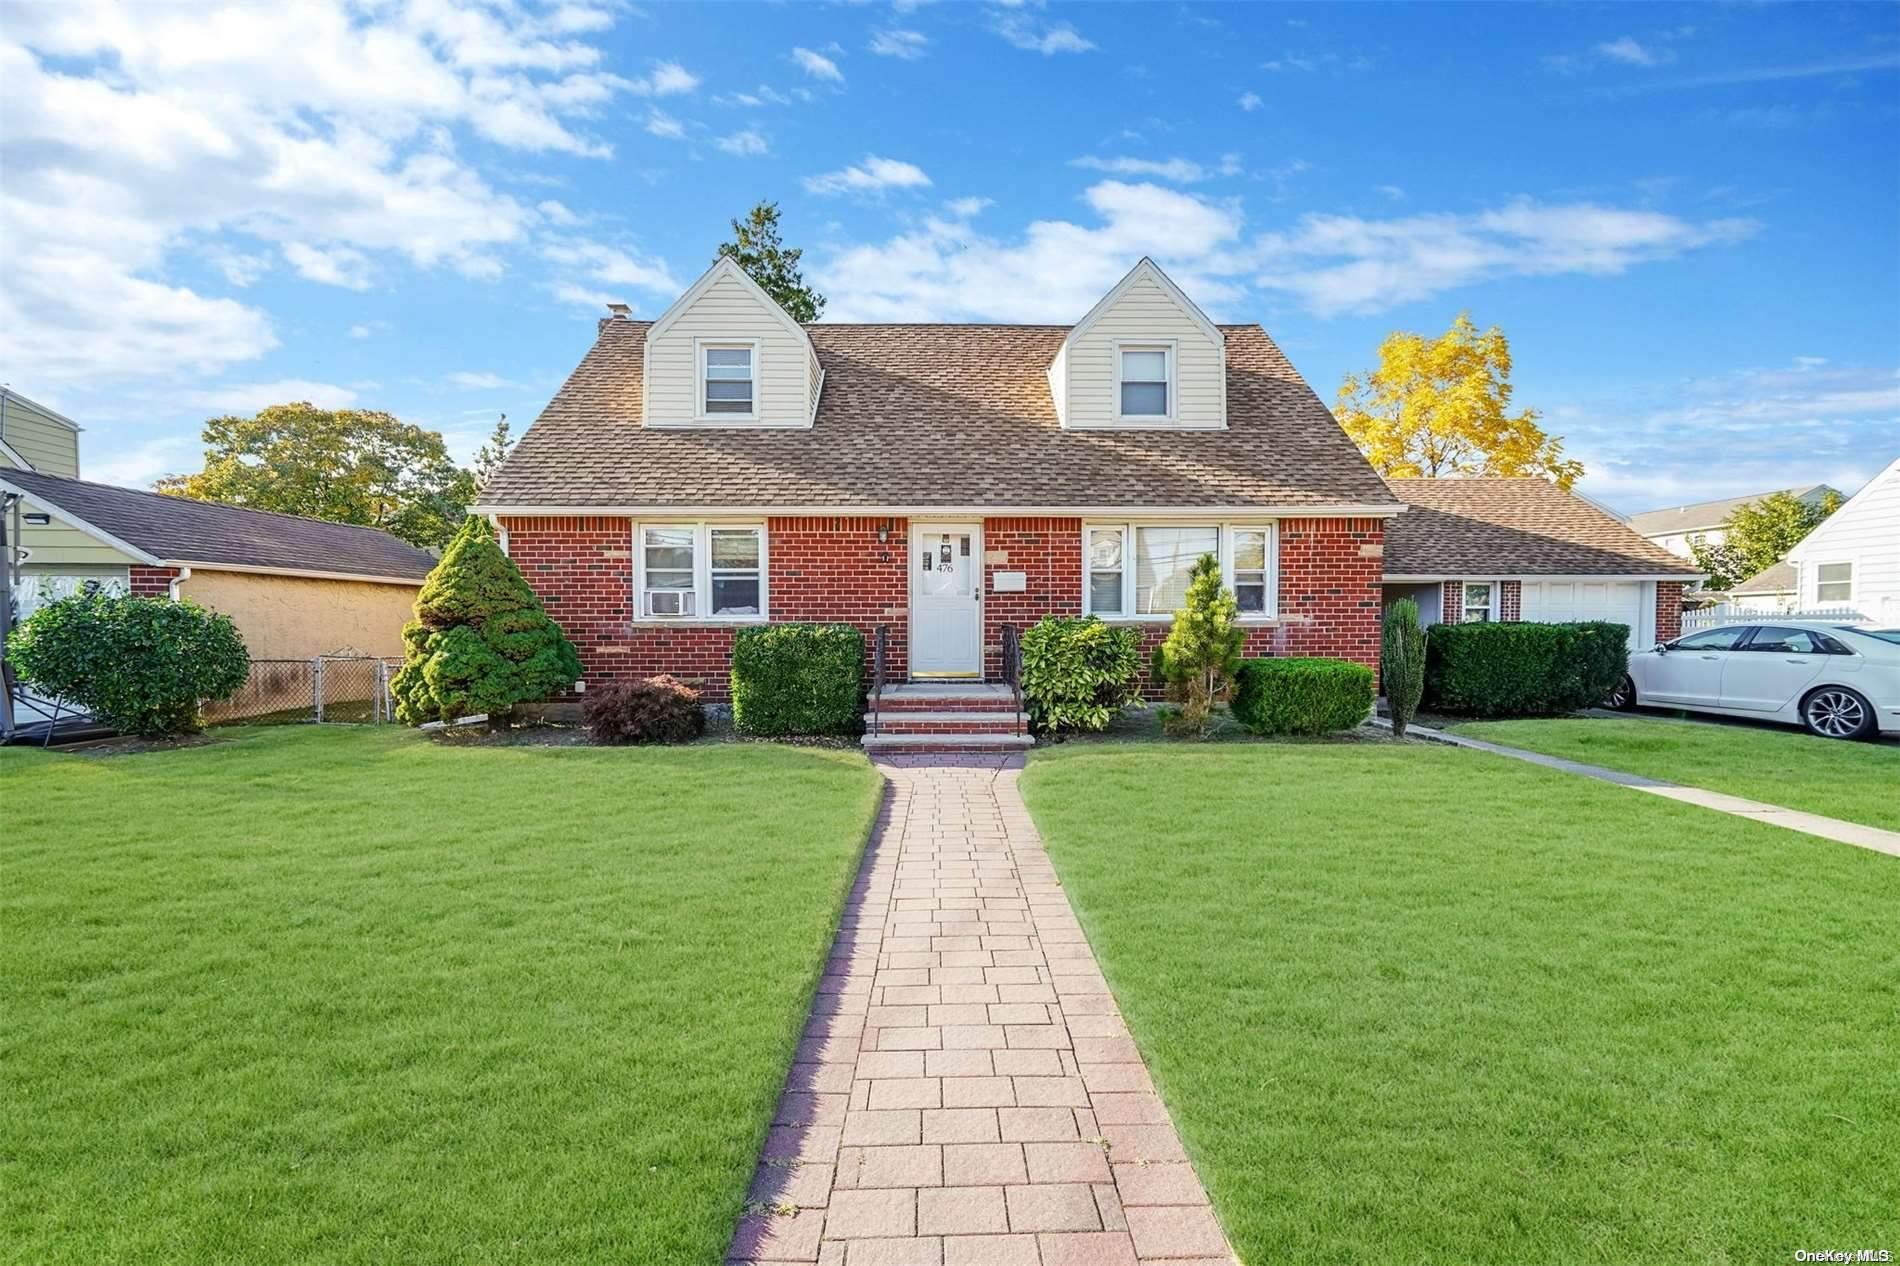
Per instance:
x=1145, y=312
x=725, y=309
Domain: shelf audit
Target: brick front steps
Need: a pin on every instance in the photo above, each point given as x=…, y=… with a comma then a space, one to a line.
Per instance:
x=968, y=717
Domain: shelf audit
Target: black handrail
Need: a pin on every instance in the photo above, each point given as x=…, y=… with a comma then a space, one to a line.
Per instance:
x=880, y=653
x=1013, y=669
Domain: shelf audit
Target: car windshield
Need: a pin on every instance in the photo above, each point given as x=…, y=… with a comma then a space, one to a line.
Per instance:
x=1885, y=635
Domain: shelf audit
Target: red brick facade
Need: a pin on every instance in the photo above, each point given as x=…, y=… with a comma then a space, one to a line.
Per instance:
x=1668, y=610
x=151, y=582
x=837, y=569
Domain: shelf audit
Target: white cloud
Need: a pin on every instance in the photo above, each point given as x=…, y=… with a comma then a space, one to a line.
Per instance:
x=1250, y=101
x=763, y=95
x=1179, y=170
x=252, y=396
x=906, y=45
x=747, y=143
x=470, y=380
x=1631, y=53
x=1047, y=38
x=1336, y=264
x=1391, y=191
x=323, y=131
x=817, y=65
x=557, y=213
x=143, y=465
x=947, y=271
x=873, y=175
x=667, y=80
x=364, y=329
x=964, y=208
x=586, y=265
x=660, y=123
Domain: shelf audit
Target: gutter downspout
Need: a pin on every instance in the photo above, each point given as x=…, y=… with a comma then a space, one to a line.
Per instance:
x=184, y=574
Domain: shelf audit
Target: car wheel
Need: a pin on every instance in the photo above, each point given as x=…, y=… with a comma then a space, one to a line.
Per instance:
x=1838, y=713
x=1623, y=697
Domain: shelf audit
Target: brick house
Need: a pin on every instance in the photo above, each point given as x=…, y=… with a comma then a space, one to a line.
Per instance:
x=1524, y=549
x=724, y=465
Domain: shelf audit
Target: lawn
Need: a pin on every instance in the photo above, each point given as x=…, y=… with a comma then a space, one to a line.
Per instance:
x=350, y=995
x=1419, y=1004
x=1856, y=781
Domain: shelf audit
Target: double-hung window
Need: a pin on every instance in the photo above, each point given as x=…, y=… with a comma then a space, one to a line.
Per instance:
x=728, y=373
x=1834, y=582
x=1478, y=602
x=687, y=570
x=1142, y=571
x=1145, y=381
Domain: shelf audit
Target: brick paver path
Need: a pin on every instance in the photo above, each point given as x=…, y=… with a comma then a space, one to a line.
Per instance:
x=966, y=1093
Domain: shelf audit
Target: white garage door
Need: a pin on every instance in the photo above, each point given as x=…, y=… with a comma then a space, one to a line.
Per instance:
x=1563, y=601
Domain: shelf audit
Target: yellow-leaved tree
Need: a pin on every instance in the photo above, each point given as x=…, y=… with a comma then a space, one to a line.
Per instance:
x=1442, y=406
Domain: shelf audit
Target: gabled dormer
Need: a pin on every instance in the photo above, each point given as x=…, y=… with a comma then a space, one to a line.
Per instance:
x=1144, y=358
x=726, y=355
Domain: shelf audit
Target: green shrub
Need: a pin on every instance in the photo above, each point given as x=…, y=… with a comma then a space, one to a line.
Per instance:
x=480, y=642
x=1079, y=672
x=1202, y=649
x=141, y=665
x=798, y=679
x=1402, y=663
x=1491, y=670
x=656, y=710
x=1302, y=696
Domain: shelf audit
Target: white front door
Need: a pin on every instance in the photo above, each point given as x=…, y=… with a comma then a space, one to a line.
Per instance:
x=946, y=600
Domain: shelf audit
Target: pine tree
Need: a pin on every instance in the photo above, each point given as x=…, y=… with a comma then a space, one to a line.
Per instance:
x=1203, y=649
x=1402, y=663
x=757, y=248
x=481, y=641
x=493, y=452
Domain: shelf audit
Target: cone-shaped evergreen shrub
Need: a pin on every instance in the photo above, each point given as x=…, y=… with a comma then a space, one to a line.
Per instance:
x=480, y=641
x=1203, y=648
x=1402, y=663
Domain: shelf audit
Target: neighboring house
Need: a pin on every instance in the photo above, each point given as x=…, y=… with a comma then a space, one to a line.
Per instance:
x=295, y=587
x=1853, y=558
x=1679, y=528
x=34, y=437
x=724, y=466
x=1773, y=588
x=1522, y=549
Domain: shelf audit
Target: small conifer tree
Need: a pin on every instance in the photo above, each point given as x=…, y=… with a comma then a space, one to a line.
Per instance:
x=1202, y=652
x=481, y=641
x=1402, y=663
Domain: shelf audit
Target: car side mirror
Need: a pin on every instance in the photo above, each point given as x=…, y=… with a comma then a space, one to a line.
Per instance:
x=1663, y=648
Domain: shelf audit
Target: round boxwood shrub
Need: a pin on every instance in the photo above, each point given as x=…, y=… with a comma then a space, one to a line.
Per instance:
x=790, y=679
x=1301, y=695
x=1079, y=672
x=1492, y=670
x=656, y=710
x=141, y=665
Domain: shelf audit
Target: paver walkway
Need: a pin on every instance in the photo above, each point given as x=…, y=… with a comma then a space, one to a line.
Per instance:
x=966, y=1093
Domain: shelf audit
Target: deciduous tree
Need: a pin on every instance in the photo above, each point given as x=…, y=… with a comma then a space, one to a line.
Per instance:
x=1758, y=535
x=344, y=465
x=757, y=247
x=1442, y=406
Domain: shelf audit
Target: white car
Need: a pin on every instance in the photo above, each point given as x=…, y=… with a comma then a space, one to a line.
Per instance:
x=1839, y=680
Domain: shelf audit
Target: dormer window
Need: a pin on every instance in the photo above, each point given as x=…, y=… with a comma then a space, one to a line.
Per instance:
x=1146, y=381
x=727, y=377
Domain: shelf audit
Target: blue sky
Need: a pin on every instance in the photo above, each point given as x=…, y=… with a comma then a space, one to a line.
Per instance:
x=1687, y=218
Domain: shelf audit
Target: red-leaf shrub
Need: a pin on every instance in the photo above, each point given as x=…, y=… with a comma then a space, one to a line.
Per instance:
x=657, y=710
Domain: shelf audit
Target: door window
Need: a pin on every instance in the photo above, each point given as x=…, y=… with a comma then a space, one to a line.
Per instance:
x=944, y=564
x=1712, y=639
x=1788, y=641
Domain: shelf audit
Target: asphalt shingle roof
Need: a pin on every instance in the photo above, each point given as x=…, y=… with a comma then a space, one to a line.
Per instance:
x=926, y=415
x=1513, y=527
x=1702, y=515
x=180, y=530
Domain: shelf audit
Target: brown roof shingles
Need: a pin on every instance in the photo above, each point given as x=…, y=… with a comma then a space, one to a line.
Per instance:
x=935, y=415
x=1513, y=527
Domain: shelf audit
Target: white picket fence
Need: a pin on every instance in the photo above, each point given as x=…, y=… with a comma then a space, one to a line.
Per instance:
x=1734, y=613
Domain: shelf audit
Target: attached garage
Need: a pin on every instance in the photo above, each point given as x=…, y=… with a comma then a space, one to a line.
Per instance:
x=1630, y=602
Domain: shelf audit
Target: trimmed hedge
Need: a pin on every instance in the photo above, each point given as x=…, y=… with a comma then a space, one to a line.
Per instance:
x=790, y=679
x=1496, y=670
x=656, y=710
x=1079, y=672
x=1299, y=695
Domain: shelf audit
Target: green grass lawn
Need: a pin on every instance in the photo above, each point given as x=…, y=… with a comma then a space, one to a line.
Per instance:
x=328, y=995
x=1856, y=781
x=1417, y=1004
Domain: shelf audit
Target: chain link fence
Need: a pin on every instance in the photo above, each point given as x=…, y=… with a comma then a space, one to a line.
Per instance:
x=332, y=689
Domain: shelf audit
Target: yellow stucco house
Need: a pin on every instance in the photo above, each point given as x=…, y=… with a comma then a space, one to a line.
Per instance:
x=295, y=587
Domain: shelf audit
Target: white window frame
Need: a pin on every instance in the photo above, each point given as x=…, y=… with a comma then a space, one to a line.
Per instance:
x=703, y=345
x=1849, y=582
x=702, y=572
x=1170, y=349
x=1493, y=612
x=1225, y=552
